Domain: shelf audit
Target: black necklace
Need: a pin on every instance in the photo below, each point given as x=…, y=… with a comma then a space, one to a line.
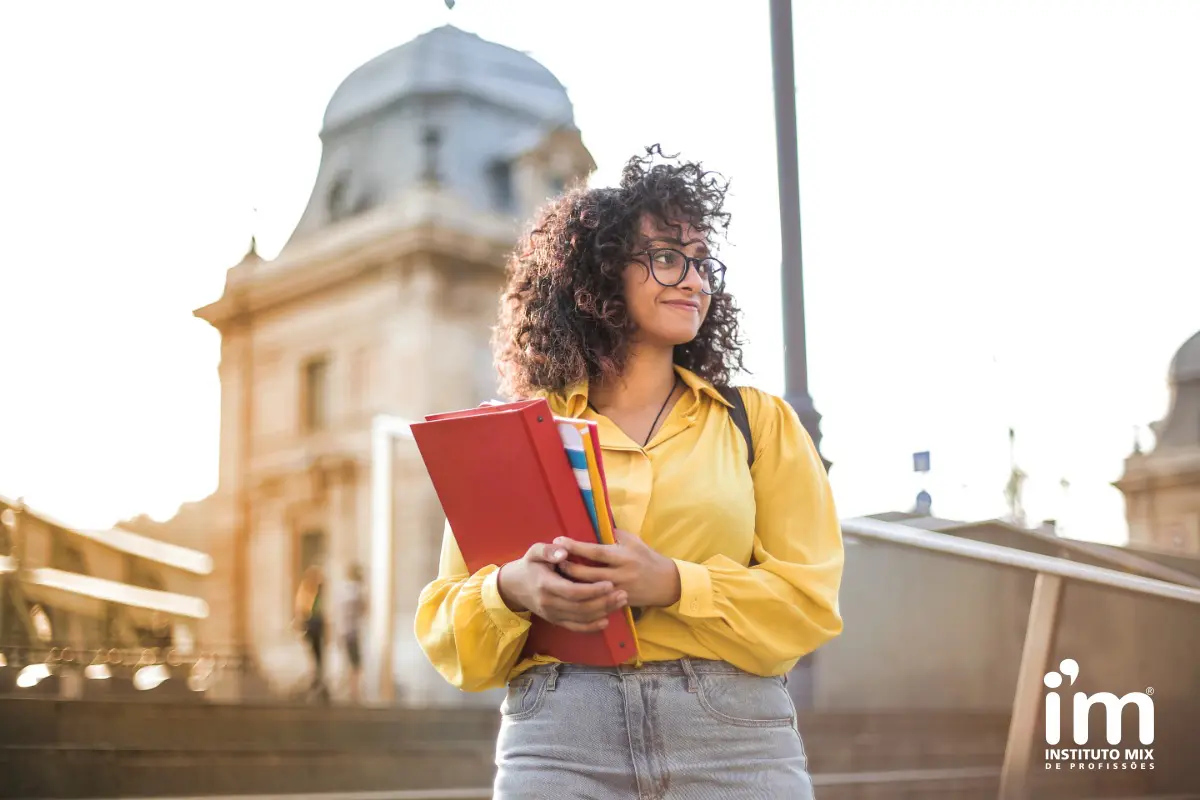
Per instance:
x=663, y=408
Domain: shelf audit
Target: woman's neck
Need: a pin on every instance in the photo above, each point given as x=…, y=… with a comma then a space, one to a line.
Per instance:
x=648, y=377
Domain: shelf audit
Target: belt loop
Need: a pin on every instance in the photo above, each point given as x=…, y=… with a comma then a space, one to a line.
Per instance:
x=692, y=681
x=552, y=678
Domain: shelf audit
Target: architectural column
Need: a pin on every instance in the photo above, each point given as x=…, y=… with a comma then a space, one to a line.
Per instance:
x=243, y=528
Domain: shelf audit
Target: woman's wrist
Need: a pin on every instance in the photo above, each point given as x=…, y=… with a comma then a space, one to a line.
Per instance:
x=670, y=584
x=504, y=586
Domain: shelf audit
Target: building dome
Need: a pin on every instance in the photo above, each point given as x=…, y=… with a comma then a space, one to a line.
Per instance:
x=446, y=112
x=1185, y=367
x=447, y=60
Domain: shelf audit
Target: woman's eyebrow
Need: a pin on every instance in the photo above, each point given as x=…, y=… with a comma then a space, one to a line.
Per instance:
x=672, y=240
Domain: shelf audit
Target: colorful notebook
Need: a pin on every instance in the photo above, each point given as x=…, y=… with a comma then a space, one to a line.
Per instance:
x=573, y=439
x=587, y=433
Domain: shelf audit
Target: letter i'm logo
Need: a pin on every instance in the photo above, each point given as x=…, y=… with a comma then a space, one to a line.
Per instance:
x=1053, y=680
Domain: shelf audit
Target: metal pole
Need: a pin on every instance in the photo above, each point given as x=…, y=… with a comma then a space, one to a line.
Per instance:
x=9, y=519
x=795, y=349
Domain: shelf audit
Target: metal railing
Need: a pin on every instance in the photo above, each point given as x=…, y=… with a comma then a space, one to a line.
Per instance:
x=15, y=518
x=124, y=541
x=1052, y=573
x=43, y=653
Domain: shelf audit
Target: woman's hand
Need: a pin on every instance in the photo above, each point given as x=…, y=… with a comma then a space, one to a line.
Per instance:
x=648, y=578
x=533, y=584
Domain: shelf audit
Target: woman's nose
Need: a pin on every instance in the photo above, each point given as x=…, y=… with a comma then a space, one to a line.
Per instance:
x=691, y=279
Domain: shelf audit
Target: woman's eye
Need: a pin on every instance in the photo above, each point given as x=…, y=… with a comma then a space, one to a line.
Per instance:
x=666, y=258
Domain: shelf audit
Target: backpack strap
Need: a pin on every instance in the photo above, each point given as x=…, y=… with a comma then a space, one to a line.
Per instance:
x=740, y=418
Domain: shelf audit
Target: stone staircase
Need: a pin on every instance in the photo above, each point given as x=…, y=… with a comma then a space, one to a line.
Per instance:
x=53, y=748
x=96, y=748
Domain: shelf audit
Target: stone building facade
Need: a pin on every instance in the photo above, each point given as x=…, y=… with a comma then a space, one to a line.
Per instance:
x=1162, y=487
x=381, y=302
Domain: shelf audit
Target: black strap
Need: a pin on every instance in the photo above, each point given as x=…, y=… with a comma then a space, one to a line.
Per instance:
x=740, y=418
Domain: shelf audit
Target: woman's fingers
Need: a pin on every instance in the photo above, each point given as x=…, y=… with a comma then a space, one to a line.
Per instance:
x=600, y=553
x=556, y=586
x=546, y=553
x=591, y=618
x=587, y=611
x=582, y=572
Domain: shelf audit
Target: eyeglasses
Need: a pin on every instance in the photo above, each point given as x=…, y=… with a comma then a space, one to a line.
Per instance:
x=669, y=268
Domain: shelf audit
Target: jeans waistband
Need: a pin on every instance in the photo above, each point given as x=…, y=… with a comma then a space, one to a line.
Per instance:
x=681, y=666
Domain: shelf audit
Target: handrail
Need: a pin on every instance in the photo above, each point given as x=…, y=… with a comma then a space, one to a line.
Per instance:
x=128, y=542
x=113, y=592
x=892, y=533
x=1120, y=557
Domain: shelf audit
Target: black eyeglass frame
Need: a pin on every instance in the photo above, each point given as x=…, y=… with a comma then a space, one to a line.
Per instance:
x=714, y=286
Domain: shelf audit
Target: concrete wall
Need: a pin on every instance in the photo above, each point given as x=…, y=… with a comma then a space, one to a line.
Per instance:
x=930, y=632
x=923, y=631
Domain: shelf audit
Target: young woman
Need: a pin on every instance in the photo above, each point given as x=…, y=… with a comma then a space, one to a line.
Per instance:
x=310, y=620
x=615, y=310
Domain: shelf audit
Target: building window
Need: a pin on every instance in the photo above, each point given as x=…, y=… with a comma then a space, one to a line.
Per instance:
x=310, y=552
x=501, y=179
x=314, y=401
x=337, y=201
x=431, y=142
x=66, y=556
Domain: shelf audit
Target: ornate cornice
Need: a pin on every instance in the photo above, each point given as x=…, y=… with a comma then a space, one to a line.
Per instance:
x=426, y=221
x=1161, y=469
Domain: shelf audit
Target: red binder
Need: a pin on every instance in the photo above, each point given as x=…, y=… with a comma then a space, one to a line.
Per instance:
x=504, y=482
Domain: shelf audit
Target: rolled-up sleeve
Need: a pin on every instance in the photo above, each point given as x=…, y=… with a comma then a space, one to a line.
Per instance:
x=764, y=617
x=462, y=624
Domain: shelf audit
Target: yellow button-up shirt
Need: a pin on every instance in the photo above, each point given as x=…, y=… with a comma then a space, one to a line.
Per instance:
x=759, y=550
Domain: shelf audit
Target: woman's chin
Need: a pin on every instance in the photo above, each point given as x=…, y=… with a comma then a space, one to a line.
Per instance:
x=675, y=337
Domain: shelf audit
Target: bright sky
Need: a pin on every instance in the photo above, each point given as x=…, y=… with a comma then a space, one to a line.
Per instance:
x=999, y=199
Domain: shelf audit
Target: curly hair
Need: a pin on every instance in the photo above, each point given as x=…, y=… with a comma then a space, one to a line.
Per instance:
x=563, y=316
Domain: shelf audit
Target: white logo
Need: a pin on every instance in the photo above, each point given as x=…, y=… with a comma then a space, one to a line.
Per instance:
x=1097, y=758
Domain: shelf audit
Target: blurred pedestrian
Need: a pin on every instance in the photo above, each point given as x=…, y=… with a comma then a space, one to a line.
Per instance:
x=354, y=613
x=310, y=619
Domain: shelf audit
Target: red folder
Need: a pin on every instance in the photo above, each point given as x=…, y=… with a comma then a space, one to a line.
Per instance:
x=504, y=482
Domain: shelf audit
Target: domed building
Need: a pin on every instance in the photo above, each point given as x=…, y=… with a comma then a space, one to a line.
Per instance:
x=478, y=120
x=1162, y=487
x=381, y=302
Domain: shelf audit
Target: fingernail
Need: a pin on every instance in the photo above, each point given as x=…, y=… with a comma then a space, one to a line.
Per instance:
x=559, y=553
x=603, y=624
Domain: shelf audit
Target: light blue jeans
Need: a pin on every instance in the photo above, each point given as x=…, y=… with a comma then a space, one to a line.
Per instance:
x=670, y=730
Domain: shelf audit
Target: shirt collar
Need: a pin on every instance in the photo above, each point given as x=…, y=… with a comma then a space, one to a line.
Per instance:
x=574, y=400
